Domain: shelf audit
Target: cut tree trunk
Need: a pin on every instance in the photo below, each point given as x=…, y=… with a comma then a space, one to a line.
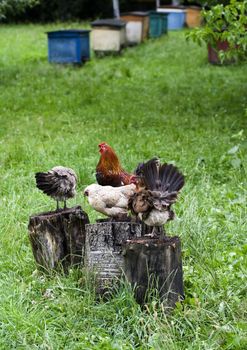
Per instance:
x=103, y=250
x=58, y=238
x=145, y=229
x=154, y=266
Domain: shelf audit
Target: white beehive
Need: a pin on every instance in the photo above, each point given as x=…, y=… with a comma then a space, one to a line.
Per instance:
x=133, y=32
x=137, y=26
x=108, y=35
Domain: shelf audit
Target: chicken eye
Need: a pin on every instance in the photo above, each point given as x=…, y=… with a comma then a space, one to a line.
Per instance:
x=86, y=193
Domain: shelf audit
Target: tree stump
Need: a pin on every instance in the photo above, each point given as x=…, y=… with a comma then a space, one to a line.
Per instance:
x=145, y=229
x=154, y=265
x=58, y=237
x=103, y=249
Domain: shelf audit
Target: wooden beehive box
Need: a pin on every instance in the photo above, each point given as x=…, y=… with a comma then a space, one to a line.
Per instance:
x=193, y=16
x=137, y=26
x=68, y=46
x=108, y=35
x=176, y=16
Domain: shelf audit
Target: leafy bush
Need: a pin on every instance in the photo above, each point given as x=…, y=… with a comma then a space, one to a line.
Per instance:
x=63, y=10
x=224, y=23
x=50, y=10
x=14, y=7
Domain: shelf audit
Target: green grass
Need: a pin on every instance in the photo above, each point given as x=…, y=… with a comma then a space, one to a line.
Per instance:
x=160, y=98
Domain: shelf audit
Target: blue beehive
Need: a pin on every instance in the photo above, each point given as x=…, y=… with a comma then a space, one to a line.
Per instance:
x=176, y=17
x=68, y=46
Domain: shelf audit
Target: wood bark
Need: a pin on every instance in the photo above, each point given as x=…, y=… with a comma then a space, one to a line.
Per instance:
x=103, y=249
x=154, y=266
x=145, y=229
x=58, y=238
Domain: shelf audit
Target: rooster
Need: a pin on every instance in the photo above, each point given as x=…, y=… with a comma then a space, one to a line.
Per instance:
x=58, y=183
x=109, y=171
x=157, y=190
x=108, y=200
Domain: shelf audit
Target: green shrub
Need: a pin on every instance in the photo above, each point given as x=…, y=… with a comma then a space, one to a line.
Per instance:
x=63, y=10
x=224, y=23
x=14, y=7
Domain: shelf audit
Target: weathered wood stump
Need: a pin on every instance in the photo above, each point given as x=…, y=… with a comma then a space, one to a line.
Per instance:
x=145, y=229
x=103, y=249
x=58, y=238
x=154, y=265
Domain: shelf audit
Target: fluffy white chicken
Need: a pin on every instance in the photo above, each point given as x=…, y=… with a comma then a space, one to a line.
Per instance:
x=108, y=200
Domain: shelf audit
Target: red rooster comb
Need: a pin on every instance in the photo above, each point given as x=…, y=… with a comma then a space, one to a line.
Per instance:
x=103, y=146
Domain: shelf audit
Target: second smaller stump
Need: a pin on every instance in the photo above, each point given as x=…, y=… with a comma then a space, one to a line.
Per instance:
x=103, y=249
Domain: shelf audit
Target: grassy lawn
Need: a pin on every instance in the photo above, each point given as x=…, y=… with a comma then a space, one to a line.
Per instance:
x=160, y=98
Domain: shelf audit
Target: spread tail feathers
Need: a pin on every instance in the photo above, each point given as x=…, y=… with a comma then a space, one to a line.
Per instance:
x=171, y=179
x=164, y=178
x=139, y=168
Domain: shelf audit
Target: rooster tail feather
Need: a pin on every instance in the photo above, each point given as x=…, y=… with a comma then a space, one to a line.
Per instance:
x=139, y=169
x=150, y=173
x=164, y=178
x=172, y=180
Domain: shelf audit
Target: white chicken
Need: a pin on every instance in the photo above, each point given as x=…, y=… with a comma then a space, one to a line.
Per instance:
x=108, y=200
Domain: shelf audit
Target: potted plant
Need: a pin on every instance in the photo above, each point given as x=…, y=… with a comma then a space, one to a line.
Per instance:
x=224, y=31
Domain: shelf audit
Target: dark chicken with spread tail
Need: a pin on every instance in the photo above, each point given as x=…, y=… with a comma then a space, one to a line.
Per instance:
x=157, y=190
x=109, y=171
x=58, y=183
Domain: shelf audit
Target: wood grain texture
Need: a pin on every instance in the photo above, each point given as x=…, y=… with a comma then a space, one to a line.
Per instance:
x=103, y=249
x=58, y=238
x=154, y=265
